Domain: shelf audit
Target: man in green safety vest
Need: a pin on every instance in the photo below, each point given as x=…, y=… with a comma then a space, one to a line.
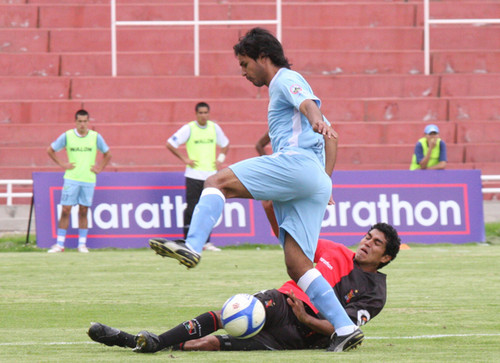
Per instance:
x=81, y=146
x=201, y=138
x=430, y=151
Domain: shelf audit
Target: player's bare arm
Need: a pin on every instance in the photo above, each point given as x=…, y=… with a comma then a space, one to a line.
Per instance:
x=261, y=144
x=181, y=157
x=62, y=164
x=311, y=110
x=320, y=326
x=106, y=158
x=220, y=160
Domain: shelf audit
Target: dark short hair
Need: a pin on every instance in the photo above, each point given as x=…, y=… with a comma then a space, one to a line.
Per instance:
x=260, y=42
x=392, y=238
x=201, y=104
x=81, y=112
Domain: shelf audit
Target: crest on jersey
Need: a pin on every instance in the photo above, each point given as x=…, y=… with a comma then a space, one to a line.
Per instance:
x=295, y=89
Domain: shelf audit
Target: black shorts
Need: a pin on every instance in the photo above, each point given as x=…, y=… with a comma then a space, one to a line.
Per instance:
x=282, y=330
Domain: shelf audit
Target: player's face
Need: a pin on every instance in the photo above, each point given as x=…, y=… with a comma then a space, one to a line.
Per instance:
x=82, y=124
x=252, y=70
x=371, y=250
x=202, y=115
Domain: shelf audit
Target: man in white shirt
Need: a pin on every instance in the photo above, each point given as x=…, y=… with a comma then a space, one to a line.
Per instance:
x=201, y=138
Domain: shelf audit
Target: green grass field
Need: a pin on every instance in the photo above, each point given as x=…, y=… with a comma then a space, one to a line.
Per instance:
x=443, y=303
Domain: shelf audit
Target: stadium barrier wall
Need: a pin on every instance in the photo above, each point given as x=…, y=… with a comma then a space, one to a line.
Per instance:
x=129, y=208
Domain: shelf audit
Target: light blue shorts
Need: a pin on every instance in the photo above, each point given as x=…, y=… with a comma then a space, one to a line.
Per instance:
x=297, y=184
x=76, y=192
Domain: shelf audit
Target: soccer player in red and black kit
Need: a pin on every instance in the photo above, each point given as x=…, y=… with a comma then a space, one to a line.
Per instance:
x=292, y=322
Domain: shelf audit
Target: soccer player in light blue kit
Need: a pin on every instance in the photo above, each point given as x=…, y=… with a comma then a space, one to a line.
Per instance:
x=296, y=177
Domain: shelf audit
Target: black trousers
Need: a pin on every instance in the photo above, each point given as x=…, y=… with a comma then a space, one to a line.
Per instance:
x=194, y=187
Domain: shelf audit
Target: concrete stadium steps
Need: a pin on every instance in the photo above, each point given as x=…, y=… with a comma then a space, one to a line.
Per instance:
x=18, y=16
x=122, y=134
x=225, y=63
x=479, y=132
x=33, y=64
x=402, y=110
x=470, y=85
x=474, y=108
x=346, y=86
x=465, y=37
x=24, y=40
x=34, y=88
x=35, y=111
x=472, y=61
x=147, y=39
x=483, y=152
x=215, y=38
x=154, y=133
x=350, y=133
x=458, y=9
x=98, y=15
x=381, y=13
x=347, y=154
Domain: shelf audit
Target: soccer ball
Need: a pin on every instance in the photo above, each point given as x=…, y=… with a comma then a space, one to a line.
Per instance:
x=243, y=316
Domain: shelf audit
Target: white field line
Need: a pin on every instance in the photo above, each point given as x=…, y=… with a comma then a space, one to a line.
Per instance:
x=374, y=338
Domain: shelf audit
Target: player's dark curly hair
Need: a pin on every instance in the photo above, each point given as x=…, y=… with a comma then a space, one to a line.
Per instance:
x=260, y=42
x=392, y=238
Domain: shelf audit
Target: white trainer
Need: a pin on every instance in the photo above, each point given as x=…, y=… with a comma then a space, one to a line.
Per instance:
x=56, y=249
x=210, y=247
x=83, y=249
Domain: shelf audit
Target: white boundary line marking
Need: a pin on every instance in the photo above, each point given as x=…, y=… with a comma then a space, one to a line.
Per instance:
x=370, y=338
x=436, y=336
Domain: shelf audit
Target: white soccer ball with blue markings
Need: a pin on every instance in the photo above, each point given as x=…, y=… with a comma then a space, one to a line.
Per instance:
x=243, y=316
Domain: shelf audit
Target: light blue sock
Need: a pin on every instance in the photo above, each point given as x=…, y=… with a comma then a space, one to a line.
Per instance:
x=324, y=299
x=82, y=237
x=61, y=237
x=205, y=215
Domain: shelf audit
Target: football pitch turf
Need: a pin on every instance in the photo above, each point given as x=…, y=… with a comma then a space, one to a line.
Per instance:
x=443, y=304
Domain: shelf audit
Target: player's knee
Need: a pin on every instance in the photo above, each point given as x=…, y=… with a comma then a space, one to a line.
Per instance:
x=66, y=210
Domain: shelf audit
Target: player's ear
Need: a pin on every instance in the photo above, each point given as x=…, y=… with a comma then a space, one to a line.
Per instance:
x=385, y=259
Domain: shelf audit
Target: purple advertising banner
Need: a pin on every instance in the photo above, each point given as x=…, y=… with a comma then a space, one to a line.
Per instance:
x=129, y=208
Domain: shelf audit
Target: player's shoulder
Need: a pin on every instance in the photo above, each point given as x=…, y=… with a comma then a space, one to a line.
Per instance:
x=335, y=247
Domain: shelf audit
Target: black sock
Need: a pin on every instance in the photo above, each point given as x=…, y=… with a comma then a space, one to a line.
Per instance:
x=126, y=340
x=198, y=327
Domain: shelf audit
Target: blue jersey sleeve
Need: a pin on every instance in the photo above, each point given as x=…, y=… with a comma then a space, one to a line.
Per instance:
x=60, y=143
x=419, y=152
x=442, y=151
x=101, y=144
x=296, y=90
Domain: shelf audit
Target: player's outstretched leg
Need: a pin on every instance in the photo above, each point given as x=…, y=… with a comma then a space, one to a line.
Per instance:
x=146, y=342
x=175, y=249
x=110, y=336
x=346, y=342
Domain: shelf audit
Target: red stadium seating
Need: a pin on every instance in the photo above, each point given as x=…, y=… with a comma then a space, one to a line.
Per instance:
x=364, y=59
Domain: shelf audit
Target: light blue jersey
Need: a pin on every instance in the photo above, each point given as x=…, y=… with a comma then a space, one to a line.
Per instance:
x=287, y=126
x=294, y=176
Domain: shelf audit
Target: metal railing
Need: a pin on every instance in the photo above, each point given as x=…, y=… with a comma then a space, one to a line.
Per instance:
x=196, y=22
x=428, y=21
x=10, y=194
